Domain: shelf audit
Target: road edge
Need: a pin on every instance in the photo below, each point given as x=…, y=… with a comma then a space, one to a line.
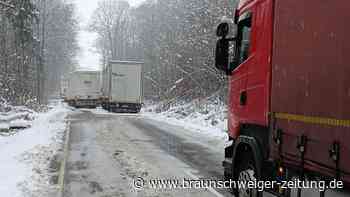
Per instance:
x=61, y=176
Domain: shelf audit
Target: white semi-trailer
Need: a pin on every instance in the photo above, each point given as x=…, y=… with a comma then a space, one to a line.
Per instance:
x=84, y=89
x=122, y=86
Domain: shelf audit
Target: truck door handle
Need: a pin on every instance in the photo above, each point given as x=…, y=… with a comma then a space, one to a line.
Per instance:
x=243, y=98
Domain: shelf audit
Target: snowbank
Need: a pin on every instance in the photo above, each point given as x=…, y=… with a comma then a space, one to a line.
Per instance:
x=24, y=157
x=207, y=116
x=14, y=117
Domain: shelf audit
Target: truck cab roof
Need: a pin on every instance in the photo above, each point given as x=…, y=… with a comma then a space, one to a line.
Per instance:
x=243, y=4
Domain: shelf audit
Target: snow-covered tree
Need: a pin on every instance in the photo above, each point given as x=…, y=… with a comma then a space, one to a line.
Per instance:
x=27, y=37
x=175, y=39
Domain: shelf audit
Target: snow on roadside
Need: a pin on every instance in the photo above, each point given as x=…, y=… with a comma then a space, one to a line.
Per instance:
x=206, y=116
x=25, y=156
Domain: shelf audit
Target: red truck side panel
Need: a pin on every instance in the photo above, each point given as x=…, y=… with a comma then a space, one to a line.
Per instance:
x=311, y=81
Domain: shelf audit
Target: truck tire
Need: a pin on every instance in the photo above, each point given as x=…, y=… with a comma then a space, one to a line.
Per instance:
x=246, y=170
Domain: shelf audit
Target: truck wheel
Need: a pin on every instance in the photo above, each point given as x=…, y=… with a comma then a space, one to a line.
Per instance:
x=245, y=171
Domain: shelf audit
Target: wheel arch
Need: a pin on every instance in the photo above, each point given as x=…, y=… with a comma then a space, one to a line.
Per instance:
x=241, y=145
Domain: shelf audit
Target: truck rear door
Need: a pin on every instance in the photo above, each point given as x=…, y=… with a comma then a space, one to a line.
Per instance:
x=126, y=83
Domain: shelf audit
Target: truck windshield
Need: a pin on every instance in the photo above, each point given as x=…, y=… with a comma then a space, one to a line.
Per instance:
x=243, y=42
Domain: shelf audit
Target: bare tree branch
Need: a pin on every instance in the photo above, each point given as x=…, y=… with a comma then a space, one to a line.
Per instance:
x=2, y=3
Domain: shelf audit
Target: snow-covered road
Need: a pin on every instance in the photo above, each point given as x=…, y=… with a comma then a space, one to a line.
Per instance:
x=108, y=152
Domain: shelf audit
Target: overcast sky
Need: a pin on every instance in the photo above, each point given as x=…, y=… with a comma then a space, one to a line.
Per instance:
x=88, y=59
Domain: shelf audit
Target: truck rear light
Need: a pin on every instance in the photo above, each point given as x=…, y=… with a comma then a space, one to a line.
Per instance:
x=280, y=171
x=280, y=178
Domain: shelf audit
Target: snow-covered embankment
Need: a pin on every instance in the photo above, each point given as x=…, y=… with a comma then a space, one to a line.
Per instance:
x=207, y=116
x=27, y=158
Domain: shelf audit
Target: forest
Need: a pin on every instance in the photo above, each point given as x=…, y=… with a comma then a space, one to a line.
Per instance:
x=38, y=40
x=174, y=38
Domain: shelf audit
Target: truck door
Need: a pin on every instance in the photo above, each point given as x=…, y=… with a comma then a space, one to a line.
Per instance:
x=238, y=83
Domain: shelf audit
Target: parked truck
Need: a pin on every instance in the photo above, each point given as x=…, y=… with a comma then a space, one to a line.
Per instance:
x=289, y=92
x=122, y=86
x=83, y=89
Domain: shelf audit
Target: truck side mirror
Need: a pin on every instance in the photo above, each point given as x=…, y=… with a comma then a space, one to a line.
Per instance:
x=222, y=54
x=223, y=49
x=223, y=30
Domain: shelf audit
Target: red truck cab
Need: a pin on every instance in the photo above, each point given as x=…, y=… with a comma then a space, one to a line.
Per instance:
x=252, y=76
x=289, y=89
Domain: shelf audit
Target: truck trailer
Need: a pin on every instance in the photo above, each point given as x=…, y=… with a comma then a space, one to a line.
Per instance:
x=289, y=92
x=83, y=89
x=122, y=86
